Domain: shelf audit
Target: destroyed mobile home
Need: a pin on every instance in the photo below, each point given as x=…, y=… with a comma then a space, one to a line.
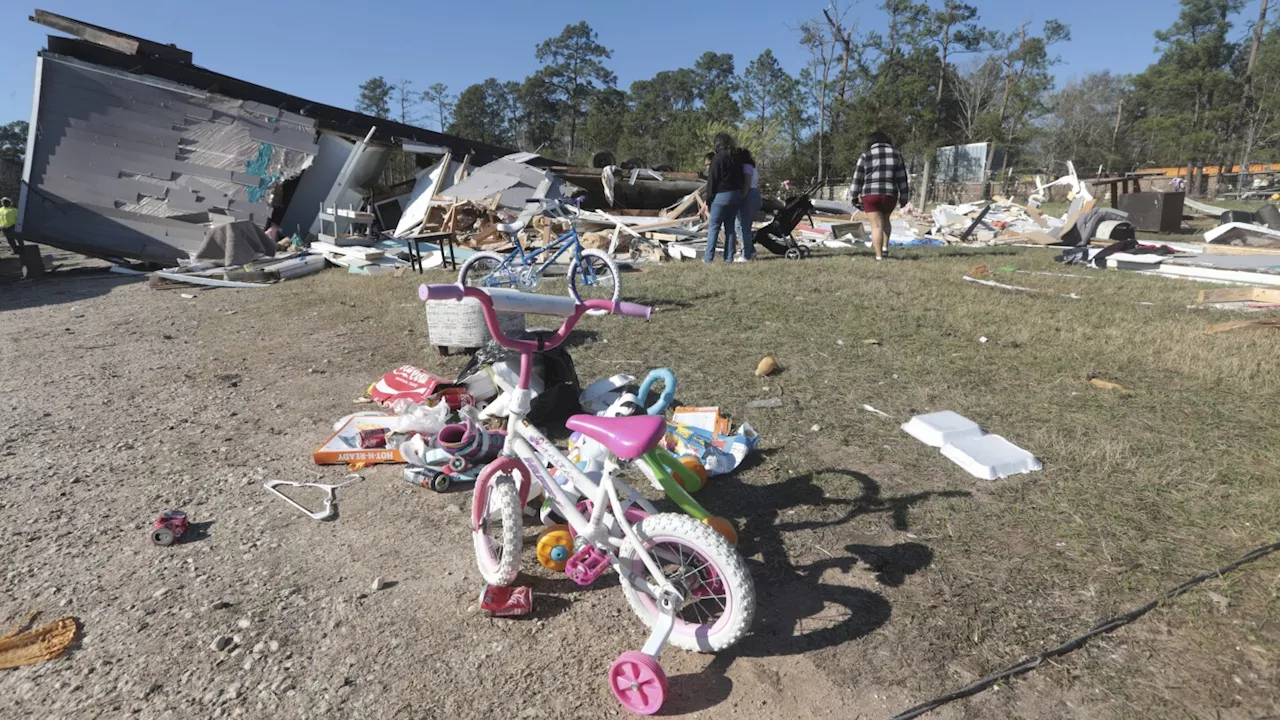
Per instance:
x=137, y=154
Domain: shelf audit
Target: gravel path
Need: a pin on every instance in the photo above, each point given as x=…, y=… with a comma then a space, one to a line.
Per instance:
x=121, y=401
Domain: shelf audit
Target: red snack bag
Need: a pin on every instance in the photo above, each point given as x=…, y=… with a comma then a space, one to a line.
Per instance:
x=373, y=438
x=405, y=385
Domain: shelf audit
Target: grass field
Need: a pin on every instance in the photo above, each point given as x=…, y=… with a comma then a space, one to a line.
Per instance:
x=885, y=563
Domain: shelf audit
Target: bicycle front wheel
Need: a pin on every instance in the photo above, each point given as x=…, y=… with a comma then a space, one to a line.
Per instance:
x=500, y=537
x=721, y=597
x=594, y=277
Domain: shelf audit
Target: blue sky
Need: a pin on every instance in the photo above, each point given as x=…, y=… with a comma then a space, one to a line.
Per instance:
x=323, y=49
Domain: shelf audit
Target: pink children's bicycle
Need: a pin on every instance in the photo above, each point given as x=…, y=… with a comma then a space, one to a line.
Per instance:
x=684, y=579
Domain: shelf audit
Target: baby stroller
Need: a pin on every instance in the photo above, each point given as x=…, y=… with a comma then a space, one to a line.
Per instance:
x=776, y=236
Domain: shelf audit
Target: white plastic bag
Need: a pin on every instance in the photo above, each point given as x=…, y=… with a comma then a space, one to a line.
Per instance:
x=423, y=419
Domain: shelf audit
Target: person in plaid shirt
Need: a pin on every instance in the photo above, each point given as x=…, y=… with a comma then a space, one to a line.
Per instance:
x=879, y=185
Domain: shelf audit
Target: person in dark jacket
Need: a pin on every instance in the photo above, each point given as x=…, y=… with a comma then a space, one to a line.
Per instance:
x=751, y=203
x=880, y=185
x=724, y=197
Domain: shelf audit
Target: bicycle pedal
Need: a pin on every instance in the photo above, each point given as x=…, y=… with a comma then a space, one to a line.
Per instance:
x=586, y=565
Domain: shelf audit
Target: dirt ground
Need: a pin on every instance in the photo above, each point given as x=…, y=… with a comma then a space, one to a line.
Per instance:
x=886, y=575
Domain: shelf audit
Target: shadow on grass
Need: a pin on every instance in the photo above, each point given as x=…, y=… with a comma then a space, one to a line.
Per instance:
x=796, y=611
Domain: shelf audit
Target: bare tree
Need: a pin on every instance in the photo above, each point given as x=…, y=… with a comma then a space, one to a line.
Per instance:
x=975, y=93
x=405, y=101
x=844, y=37
x=441, y=102
x=816, y=36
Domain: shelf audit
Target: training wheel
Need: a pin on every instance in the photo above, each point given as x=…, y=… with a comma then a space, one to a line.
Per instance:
x=638, y=682
x=805, y=252
x=458, y=463
x=441, y=482
x=724, y=527
x=793, y=253
x=555, y=546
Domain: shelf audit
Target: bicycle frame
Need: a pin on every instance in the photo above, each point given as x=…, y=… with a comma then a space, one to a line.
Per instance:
x=561, y=245
x=526, y=445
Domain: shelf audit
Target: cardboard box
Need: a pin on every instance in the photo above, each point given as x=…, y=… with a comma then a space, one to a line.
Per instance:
x=703, y=418
x=343, y=448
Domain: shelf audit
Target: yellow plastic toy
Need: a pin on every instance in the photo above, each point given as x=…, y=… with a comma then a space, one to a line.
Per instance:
x=555, y=545
x=722, y=526
x=696, y=467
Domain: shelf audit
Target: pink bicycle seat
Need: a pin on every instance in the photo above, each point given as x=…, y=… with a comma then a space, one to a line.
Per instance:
x=626, y=437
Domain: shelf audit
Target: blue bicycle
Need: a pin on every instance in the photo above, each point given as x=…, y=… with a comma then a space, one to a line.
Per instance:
x=592, y=273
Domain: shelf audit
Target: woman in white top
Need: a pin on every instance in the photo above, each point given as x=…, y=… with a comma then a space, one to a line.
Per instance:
x=751, y=203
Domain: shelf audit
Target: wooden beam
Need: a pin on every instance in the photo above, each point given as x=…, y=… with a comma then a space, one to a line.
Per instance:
x=1268, y=324
x=75, y=28
x=444, y=170
x=120, y=42
x=1266, y=295
x=684, y=204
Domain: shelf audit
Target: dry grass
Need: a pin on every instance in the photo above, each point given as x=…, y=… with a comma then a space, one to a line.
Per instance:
x=877, y=557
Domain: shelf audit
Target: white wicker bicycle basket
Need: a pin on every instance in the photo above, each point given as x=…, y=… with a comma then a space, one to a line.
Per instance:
x=454, y=324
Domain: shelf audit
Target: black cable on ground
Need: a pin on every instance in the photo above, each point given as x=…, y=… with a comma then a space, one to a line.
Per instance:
x=1028, y=664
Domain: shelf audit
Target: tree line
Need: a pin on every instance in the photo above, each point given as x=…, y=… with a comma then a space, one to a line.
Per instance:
x=936, y=75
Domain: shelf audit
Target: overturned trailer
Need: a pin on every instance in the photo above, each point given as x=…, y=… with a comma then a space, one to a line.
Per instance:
x=135, y=152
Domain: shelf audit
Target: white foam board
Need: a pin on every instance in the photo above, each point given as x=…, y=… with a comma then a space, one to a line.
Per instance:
x=941, y=428
x=990, y=457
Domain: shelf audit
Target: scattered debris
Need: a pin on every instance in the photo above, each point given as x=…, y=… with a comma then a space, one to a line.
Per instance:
x=773, y=402
x=870, y=409
x=993, y=283
x=169, y=527
x=1246, y=234
x=328, y=510
x=941, y=428
x=496, y=601
x=1107, y=385
x=379, y=584
x=45, y=643
x=962, y=441
x=766, y=367
x=1250, y=294
x=1268, y=324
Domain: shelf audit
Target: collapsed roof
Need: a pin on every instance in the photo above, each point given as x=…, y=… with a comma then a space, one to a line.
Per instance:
x=135, y=152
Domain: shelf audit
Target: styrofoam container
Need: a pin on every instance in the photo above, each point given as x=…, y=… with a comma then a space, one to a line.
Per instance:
x=941, y=428
x=990, y=457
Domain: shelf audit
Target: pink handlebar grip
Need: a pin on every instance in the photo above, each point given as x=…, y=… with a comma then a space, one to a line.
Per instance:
x=633, y=310
x=440, y=292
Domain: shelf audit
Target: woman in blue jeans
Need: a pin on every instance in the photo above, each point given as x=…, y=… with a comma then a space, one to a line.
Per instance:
x=724, y=197
x=751, y=203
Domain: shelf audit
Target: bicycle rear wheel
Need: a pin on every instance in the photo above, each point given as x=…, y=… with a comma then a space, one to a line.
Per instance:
x=721, y=598
x=486, y=269
x=595, y=277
